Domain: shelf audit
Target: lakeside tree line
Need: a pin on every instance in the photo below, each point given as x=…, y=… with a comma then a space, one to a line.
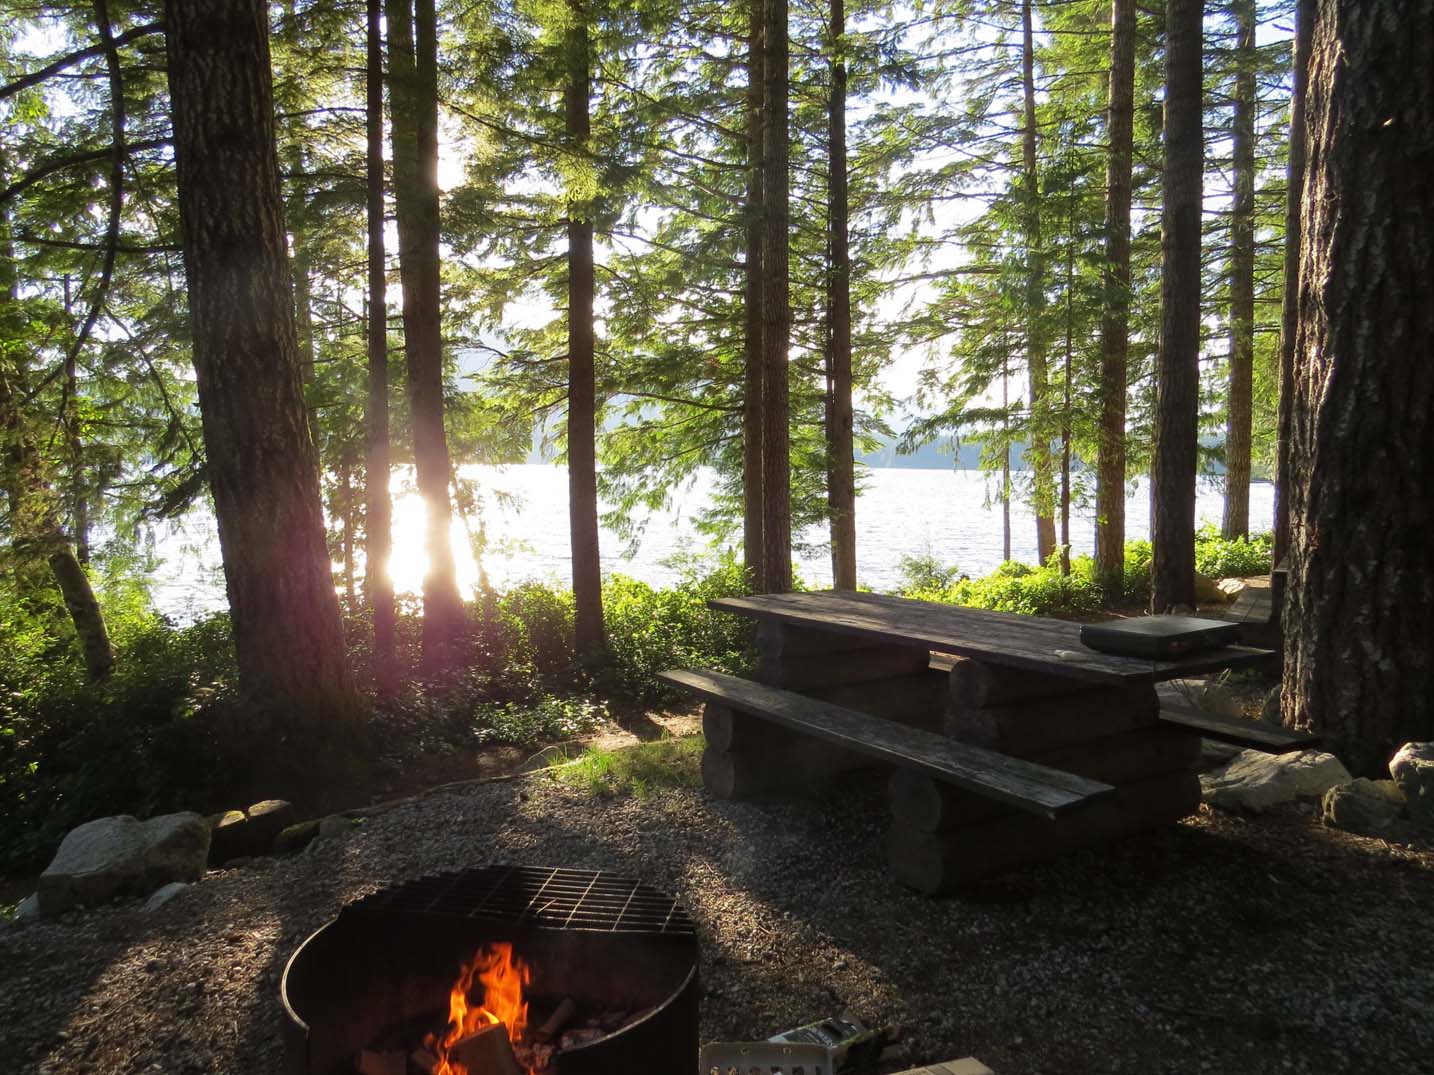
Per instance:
x=670, y=234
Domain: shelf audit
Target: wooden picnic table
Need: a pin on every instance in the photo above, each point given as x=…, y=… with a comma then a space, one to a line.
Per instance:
x=844, y=678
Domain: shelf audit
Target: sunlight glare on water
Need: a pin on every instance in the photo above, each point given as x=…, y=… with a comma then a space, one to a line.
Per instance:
x=523, y=512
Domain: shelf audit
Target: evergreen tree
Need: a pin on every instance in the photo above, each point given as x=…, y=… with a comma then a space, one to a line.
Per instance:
x=1172, y=575
x=1361, y=613
x=260, y=459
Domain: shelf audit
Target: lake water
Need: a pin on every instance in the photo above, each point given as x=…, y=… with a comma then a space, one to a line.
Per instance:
x=902, y=512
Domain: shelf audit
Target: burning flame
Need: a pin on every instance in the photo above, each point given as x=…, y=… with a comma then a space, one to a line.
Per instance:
x=503, y=978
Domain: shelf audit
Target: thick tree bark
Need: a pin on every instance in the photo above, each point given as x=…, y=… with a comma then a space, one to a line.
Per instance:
x=378, y=513
x=1289, y=306
x=413, y=70
x=1177, y=391
x=841, y=455
x=261, y=462
x=582, y=388
x=1242, y=280
x=1115, y=320
x=753, y=490
x=1359, y=633
x=776, y=309
x=1038, y=438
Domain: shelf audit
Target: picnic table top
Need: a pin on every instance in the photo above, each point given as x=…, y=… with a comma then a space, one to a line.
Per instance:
x=1044, y=645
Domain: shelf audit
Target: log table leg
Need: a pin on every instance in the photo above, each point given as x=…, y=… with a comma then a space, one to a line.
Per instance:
x=747, y=756
x=942, y=838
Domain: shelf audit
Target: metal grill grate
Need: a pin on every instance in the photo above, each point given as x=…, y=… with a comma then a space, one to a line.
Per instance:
x=541, y=896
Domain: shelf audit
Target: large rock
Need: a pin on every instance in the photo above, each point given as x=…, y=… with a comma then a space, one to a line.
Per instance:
x=96, y=861
x=117, y=856
x=1413, y=770
x=1255, y=781
x=1368, y=807
x=1207, y=591
x=1232, y=588
x=296, y=837
x=176, y=848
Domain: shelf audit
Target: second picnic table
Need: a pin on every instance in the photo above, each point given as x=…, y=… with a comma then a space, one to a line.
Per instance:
x=1010, y=741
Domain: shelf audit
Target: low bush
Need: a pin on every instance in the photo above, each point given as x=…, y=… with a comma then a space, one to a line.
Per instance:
x=169, y=730
x=1219, y=558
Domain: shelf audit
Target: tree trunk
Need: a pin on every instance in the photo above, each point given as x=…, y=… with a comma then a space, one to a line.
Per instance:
x=582, y=389
x=1038, y=436
x=1005, y=465
x=1242, y=281
x=1177, y=386
x=753, y=490
x=1360, y=629
x=378, y=510
x=78, y=490
x=348, y=507
x=1289, y=305
x=413, y=69
x=841, y=464
x=84, y=610
x=262, y=467
x=776, y=311
x=1066, y=403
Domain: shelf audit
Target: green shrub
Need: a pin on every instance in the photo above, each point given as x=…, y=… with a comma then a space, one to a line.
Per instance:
x=923, y=573
x=1036, y=591
x=1217, y=558
x=651, y=629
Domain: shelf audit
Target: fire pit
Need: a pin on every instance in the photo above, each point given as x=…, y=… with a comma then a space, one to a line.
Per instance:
x=611, y=955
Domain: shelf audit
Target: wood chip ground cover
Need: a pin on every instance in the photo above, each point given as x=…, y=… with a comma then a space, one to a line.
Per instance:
x=1220, y=945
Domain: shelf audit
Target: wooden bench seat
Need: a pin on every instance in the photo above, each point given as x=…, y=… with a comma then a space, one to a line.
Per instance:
x=1033, y=788
x=1237, y=730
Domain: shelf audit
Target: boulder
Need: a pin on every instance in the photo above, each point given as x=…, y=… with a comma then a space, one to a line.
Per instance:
x=1207, y=591
x=230, y=837
x=160, y=896
x=296, y=837
x=266, y=820
x=1255, y=781
x=176, y=848
x=1214, y=753
x=116, y=856
x=1413, y=770
x=96, y=861
x=1368, y=807
x=1232, y=588
x=335, y=825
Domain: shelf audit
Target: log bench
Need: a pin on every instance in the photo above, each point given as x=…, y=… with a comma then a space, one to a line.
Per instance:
x=1236, y=730
x=1021, y=785
x=848, y=679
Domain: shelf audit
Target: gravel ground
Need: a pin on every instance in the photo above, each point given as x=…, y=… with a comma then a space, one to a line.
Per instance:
x=1220, y=944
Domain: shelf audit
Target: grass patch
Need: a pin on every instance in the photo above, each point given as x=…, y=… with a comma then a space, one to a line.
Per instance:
x=640, y=771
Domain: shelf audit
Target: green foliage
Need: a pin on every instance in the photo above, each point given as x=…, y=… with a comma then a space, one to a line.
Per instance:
x=650, y=629
x=71, y=750
x=1043, y=591
x=922, y=573
x=640, y=771
x=1219, y=558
